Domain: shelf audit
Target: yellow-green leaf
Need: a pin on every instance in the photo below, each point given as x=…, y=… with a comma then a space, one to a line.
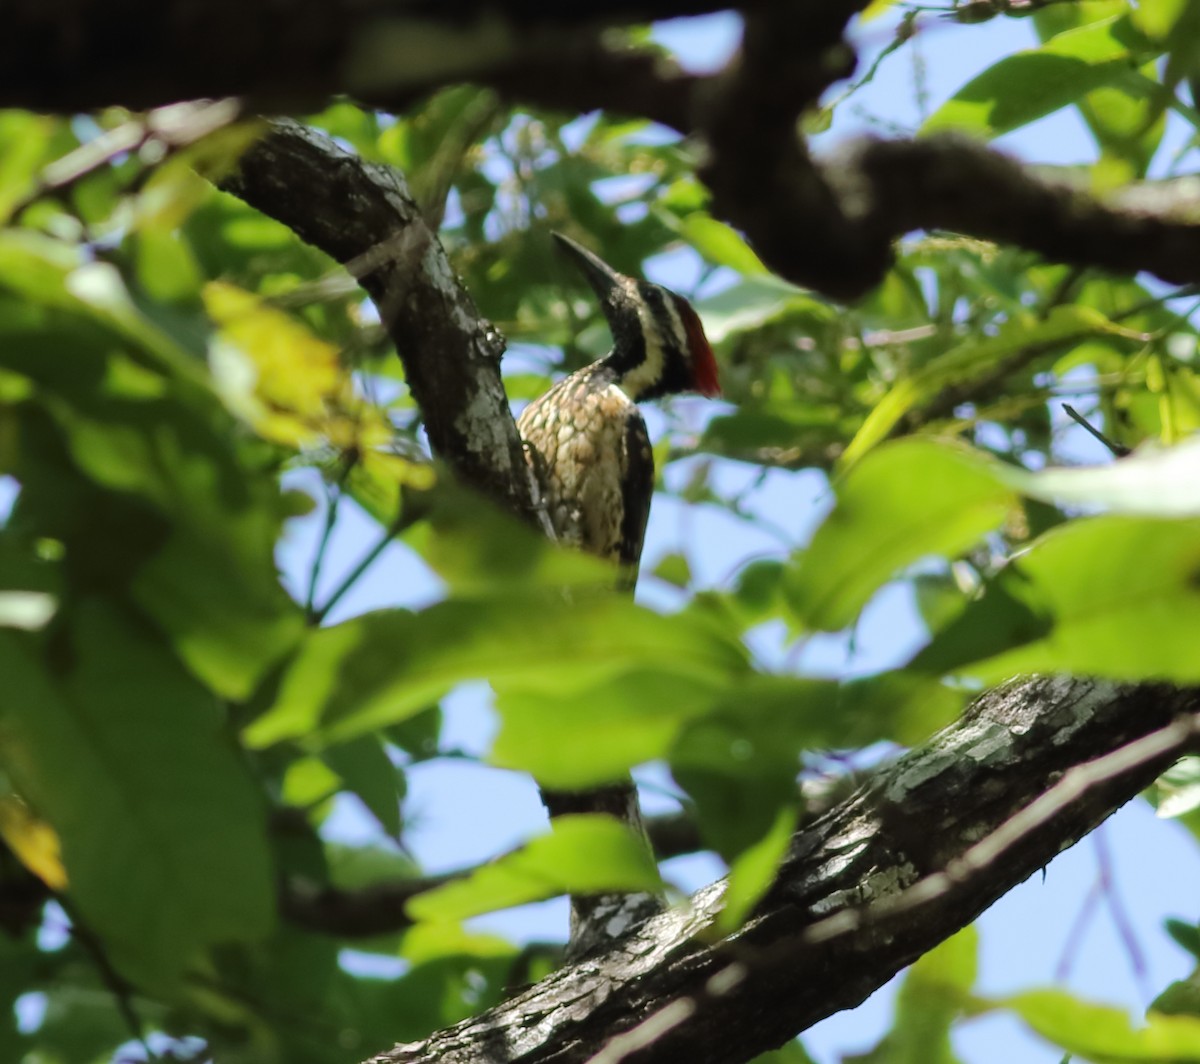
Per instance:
x=583, y=854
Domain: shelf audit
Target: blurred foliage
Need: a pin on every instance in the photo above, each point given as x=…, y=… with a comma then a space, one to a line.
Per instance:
x=179, y=720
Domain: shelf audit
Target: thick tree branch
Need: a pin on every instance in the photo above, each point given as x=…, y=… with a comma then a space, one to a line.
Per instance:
x=82, y=55
x=885, y=189
x=827, y=224
x=363, y=216
x=762, y=986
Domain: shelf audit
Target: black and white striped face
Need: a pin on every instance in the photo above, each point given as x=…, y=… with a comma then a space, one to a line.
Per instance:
x=659, y=347
x=667, y=351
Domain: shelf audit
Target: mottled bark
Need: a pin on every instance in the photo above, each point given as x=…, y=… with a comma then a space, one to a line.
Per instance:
x=363, y=216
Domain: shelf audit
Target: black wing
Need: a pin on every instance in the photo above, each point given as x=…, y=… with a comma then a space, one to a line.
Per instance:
x=637, y=489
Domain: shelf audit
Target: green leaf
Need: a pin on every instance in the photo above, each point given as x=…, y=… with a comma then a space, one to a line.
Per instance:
x=909, y=500
x=1185, y=934
x=354, y=867
x=367, y=771
x=1026, y=86
x=613, y=724
x=752, y=303
x=585, y=854
x=24, y=139
x=931, y=998
x=386, y=666
x=124, y=754
x=1074, y=601
x=721, y=244
x=166, y=268
x=220, y=601
x=968, y=361
x=139, y=420
x=1158, y=18
x=753, y=871
x=477, y=549
x=739, y=763
x=899, y=705
x=83, y=1023
x=1103, y=1034
x=875, y=8
x=1179, y=998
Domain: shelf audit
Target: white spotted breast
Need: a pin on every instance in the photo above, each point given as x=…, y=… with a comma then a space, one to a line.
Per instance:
x=587, y=442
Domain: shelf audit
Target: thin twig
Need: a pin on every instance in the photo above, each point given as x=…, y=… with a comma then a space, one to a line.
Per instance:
x=1119, y=450
x=1076, y=935
x=333, y=498
x=170, y=127
x=1116, y=908
x=406, y=518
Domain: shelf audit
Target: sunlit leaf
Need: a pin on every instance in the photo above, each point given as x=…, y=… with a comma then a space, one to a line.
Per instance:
x=30, y=610
x=478, y=549
x=611, y=725
x=1103, y=1034
x=910, y=499
x=754, y=869
x=24, y=139
x=1070, y=602
x=968, y=361
x=1158, y=17
x=875, y=8
x=583, y=854
x=753, y=302
x=719, y=243
x=1156, y=481
x=1177, y=791
x=1023, y=87
x=930, y=998
x=386, y=666
x=292, y=386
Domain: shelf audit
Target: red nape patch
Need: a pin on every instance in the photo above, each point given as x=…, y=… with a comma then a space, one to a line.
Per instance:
x=704, y=364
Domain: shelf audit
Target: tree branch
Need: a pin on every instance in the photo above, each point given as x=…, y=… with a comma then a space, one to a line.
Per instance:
x=826, y=224
x=82, y=55
x=888, y=188
x=363, y=216
x=906, y=826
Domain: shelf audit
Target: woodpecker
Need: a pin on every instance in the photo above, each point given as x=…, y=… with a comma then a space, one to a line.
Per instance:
x=585, y=437
x=589, y=448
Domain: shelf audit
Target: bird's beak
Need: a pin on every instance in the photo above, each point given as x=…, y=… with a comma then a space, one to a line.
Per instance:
x=605, y=281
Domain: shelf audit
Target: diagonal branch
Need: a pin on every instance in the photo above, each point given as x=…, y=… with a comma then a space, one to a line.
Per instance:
x=363, y=216
x=907, y=826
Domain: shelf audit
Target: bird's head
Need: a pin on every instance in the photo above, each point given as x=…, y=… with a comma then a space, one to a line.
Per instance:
x=659, y=346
